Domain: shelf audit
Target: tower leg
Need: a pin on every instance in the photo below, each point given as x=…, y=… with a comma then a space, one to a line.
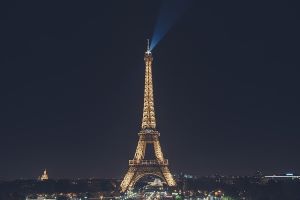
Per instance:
x=140, y=150
x=157, y=149
x=127, y=179
x=168, y=176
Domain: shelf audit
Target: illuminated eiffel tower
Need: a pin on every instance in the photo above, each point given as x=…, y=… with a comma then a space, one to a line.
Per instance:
x=139, y=167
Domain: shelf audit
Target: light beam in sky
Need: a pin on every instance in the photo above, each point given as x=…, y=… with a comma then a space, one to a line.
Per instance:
x=170, y=12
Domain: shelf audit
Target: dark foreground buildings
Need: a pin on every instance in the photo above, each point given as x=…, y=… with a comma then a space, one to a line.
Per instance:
x=213, y=187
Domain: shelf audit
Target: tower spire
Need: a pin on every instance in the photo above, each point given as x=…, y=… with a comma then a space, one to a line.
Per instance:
x=148, y=121
x=148, y=46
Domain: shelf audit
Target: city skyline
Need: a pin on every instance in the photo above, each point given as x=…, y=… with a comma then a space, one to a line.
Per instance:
x=225, y=81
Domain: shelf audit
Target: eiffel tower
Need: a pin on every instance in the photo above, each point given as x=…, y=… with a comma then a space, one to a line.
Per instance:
x=139, y=167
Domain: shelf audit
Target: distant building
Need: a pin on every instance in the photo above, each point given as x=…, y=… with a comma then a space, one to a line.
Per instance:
x=44, y=176
x=288, y=176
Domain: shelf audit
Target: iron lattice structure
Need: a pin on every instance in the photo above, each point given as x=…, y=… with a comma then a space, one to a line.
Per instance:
x=139, y=167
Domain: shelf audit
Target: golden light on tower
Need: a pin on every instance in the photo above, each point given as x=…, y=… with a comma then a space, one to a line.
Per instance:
x=139, y=167
x=148, y=111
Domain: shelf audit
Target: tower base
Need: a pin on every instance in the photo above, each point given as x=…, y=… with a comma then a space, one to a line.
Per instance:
x=135, y=173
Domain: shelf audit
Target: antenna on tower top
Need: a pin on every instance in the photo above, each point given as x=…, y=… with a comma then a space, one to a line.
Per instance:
x=148, y=47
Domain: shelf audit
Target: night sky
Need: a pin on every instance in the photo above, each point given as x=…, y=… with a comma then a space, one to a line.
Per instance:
x=226, y=87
